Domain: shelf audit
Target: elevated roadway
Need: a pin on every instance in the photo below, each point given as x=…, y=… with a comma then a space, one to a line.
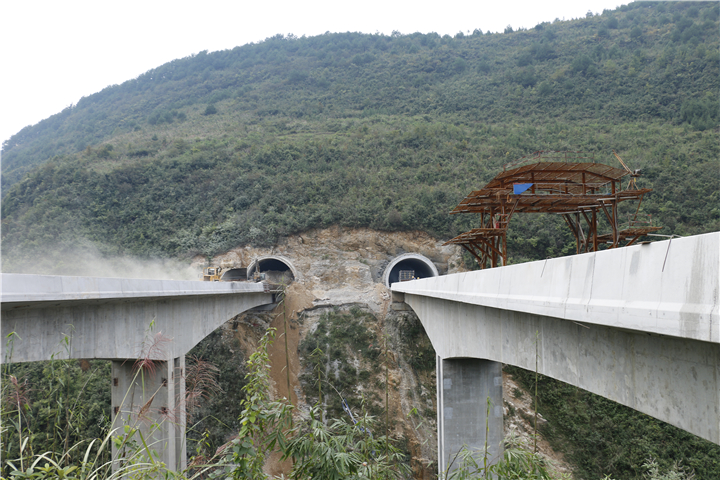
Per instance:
x=639, y=325
x=122, y=320
x=113, y=318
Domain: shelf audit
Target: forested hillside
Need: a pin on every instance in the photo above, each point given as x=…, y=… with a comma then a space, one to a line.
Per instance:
x=390, y=132
x=249, y=145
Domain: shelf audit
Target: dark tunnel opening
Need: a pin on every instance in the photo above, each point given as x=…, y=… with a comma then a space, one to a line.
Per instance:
x=275, y=271
x=271, y=264
x=419, y=269
x=234, y=275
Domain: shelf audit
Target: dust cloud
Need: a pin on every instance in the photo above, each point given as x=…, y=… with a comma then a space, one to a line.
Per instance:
x=89, y=261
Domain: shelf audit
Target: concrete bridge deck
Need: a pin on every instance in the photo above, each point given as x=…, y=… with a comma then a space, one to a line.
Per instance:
x=110, y=317
x=123, y=320
x=666, y=288
x=639, y=325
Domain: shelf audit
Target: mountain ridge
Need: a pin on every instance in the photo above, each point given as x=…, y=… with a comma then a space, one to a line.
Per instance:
x=388, y=132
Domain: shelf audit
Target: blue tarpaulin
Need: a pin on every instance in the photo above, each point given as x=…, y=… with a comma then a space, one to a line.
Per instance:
x=519, y=188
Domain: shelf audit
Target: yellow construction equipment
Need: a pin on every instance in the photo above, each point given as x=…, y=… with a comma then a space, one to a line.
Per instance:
x=212, y=274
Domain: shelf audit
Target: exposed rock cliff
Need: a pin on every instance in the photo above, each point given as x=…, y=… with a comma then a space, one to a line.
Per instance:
x=337, y=316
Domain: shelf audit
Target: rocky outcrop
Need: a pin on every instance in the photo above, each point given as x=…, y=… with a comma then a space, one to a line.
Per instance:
x=338, y=266
x=338, y=305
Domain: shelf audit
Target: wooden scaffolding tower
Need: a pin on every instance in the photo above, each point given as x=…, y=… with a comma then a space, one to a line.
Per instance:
x=571, y=184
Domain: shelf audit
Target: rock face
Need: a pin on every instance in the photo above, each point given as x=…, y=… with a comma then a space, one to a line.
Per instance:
x=336, y=318
x=338, y=303
x=340, y=266
x=519, y=421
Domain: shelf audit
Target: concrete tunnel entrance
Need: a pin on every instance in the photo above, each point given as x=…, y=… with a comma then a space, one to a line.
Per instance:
x=276, y=269
x=234, y=275
x=419, y=265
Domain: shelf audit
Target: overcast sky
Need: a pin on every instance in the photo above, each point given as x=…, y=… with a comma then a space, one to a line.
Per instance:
x=56, y=52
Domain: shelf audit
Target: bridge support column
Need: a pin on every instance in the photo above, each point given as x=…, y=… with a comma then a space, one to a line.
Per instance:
x=464, y=386
x=151, y=401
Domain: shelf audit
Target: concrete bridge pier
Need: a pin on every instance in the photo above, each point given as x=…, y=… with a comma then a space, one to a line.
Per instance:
x=465, y=386
x=151, y=400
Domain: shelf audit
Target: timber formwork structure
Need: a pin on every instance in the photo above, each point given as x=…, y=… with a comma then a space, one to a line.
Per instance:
x=571, y=184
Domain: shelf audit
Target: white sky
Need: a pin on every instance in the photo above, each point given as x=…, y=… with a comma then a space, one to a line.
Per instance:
x=55, y=52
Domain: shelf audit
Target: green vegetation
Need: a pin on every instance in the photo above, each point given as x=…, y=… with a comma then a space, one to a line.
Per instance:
x=320, y=450
x=263, y=423
x=517, y=463
x=338, y=450
x=352, y=452
x=216, y=417
x=250, y=145
x=412, y=342
x=49, y=406
x=600, y=437
x=54, y=437
x=333, y=450
x=342, y=358
x=390, y=132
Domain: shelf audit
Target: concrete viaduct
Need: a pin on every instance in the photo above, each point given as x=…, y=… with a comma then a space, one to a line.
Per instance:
x=123, y=320
x=639, y=325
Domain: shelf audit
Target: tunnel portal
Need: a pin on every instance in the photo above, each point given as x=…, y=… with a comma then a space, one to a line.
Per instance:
x=409, y=264
x=234, y=275
x=277, y=270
